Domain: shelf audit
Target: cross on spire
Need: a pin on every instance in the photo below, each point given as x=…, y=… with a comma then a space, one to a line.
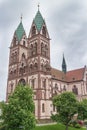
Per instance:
x=21, y=17
x=38, y=5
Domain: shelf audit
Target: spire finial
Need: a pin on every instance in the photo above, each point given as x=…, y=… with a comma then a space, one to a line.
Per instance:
x=38, y=5
x=21, y=17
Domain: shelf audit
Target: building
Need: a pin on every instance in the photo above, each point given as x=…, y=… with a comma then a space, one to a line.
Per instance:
x=29, y=63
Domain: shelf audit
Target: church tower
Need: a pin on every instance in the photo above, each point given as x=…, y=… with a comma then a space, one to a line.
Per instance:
x=39, y=65
x=17, y=59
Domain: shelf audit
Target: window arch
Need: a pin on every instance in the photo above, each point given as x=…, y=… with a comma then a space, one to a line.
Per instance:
x=75, y=90
x=56, y=86
x=35, y=66
x=33, y=83
x=22, y=81
x=43, y=107
x=14, y=41
x=23, y=55
x=44, y=83
x=33, y=30
x=44, y=30
x=64, y=88
x=31, y=67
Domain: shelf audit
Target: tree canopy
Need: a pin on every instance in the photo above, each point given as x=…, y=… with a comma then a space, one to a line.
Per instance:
x=19, y=111
x=82, y=109
x=66, y=104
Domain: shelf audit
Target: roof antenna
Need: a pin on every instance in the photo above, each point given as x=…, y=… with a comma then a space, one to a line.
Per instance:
x=38, y=5
x=21, y=17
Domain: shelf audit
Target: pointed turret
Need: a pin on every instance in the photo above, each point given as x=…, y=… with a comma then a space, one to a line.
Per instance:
x=64, y=67
x=38, y=26
x=20, y=31
x=38, y=21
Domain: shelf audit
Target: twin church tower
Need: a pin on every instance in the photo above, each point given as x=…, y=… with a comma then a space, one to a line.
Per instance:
x=29, y=63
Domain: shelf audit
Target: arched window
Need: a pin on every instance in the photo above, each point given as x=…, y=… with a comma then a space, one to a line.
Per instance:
x=33, y=30
x=22, y=81
x=24, y=43
x=44, y=30
x=75, y=90
x=56, y=86
x=64, y=88
x=43, y=108
x=46, y=50
x=11, y=88
x=31, y=67
x=14, y=41
x=44, y=83
x=23, y=55
x=35, y=48
x=42, y=48
x=31, y=50
x=36, y=66
x=42, y=67
x=33, y=83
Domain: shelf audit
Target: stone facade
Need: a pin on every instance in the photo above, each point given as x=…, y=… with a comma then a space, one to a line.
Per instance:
x=29, y=63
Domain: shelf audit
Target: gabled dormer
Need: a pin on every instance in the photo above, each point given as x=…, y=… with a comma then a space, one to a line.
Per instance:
x=19, y=36
x=38, y=26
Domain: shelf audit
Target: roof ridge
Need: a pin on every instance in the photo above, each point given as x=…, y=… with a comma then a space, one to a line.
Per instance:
x=75, y=69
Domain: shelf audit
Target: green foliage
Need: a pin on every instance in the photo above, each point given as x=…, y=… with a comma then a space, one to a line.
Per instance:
x=82, y=109
x=77, y=126
x=18, y=112
x=67, y=105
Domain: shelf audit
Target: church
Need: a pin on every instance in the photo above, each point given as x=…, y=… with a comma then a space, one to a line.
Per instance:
x=29, y=63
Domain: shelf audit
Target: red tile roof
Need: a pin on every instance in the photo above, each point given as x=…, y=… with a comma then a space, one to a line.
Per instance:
x=75, y=75
x=57, y=74
x=70, y=76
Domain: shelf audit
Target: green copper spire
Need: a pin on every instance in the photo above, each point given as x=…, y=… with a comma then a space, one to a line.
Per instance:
x=38, y=20
x=64, y=67
x=20, y=31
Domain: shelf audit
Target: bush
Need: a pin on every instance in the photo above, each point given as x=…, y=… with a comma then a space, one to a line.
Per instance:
x=3, y=127
x=77, y=126
x=54, y=117
x=73, y=123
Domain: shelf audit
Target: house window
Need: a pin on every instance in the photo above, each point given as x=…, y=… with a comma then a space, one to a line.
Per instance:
x=43, y=107
x=75, y=90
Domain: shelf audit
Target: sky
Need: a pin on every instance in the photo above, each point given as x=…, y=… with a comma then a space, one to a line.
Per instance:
x=66, y=21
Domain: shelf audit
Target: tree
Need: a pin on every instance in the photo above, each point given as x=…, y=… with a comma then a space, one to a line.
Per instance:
x=82, y=110
x=66, y=105
x=19, y=111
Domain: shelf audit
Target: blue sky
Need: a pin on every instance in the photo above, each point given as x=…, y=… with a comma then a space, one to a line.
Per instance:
x=67, y=26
